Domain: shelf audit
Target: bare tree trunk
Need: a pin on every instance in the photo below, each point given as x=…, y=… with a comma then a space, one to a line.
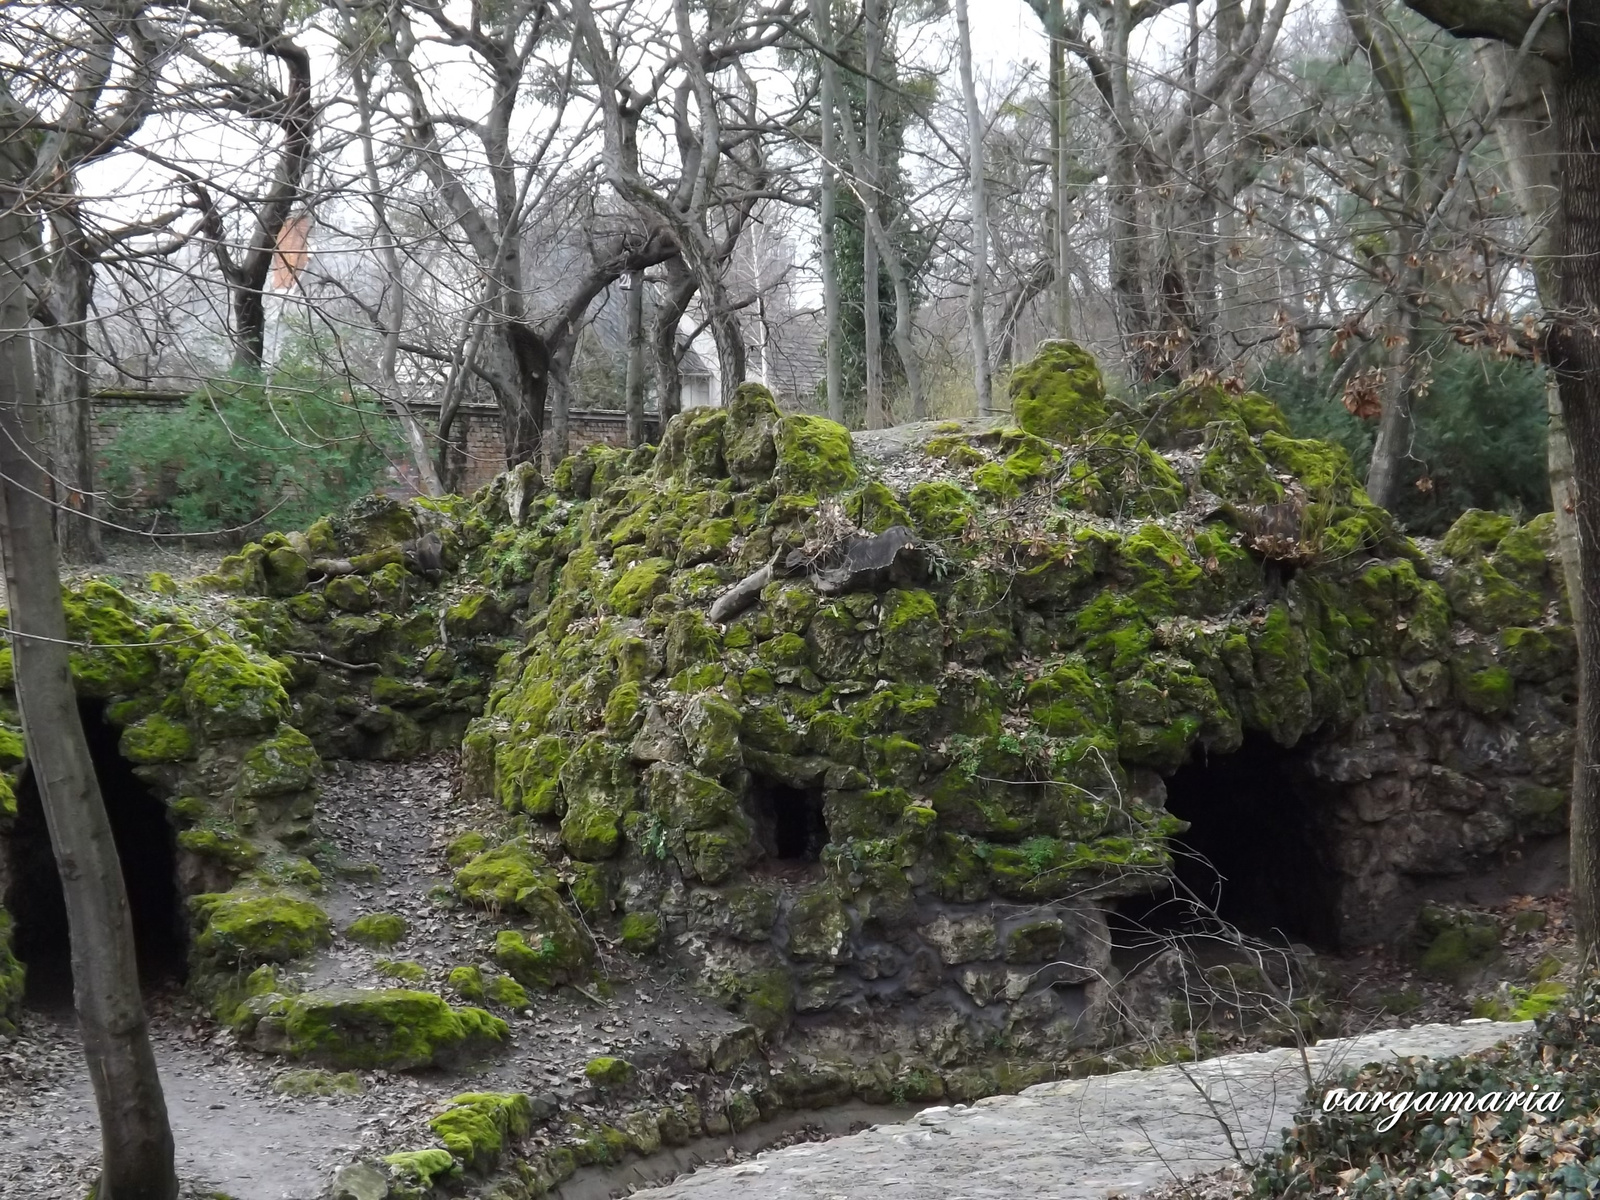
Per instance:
x=64, y=369
x=1396, y=428
x=1394, y=442
x=1126, y=227
x=633, y=384
x=393, y=306
x=1527, y=138
x=136, y=1140
x=681, y=287
x=867, y=174
x=295, y=114
x=1575, y=354
x=980, y=217
x=1061, y=218
x=822, y=16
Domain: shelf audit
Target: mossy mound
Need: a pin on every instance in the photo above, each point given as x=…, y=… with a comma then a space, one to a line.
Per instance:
x=478, y=1127
x=378, y=929
x=395, y=1029
x=248, y=928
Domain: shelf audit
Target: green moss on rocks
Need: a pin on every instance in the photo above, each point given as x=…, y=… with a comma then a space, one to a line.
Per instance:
x=13, y=976
x=479, y=1127
x=235, y=853
x=600, y=787
x=229, y=693
x=608, y=1072
x=378, y=929
x=506, y=992
x=156, y=739
x=1489, y=691
x=1235, y=469
x=394, y=1028
x=401, y=970
x=349, y=593
x=640, y=932
x=243, y=928
x=423, y=1167
x=542, y=959
x=814, y=456
x=1476, y=532
x=308, y=1083
x=748, y=446
x=468, y=983
x=284, y=763
x=939, y=509
x=639, y=585
x=1456, y=943
x=1193, y=407
x=506, y=878
x=116, y=661
x=1059, y=394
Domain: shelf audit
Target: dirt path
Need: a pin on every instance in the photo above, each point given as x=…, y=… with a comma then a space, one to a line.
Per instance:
x=385, y=826
x=1085, y=1139
x=233, y=1135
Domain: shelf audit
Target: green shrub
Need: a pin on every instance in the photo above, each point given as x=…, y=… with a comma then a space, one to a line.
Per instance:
x=295, y=446
x=1480, y=434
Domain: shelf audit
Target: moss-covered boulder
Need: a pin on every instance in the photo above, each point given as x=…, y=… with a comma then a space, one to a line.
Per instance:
x=814, y=456
x=1059, y=393
x=395, y=1029
x=378, y=929
x=229, y=692
x=244, y=928
x=479, y=1127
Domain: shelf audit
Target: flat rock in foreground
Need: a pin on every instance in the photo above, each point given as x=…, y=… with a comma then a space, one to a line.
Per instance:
x=1082, y=1139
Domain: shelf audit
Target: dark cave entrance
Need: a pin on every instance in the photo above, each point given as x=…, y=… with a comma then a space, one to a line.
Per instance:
x=1257, y=848
x=147, y=848
x=788, y=820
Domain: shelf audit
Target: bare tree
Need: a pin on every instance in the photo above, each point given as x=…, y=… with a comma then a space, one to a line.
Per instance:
x=980, y=217
x=136, y=1140
x=1572, y=47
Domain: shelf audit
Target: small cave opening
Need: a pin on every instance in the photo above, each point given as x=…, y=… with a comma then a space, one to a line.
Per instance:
x=147, y=849
x=1256, y=851
x=788, y=820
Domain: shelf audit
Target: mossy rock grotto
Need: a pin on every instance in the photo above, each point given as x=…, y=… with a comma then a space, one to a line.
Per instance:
x=883, y=744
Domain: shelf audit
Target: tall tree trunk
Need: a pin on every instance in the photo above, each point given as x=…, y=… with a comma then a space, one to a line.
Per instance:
x=1396, y=428
x=822, y=15
x=1060, y=198
x=1527, y=138
x=1575, y=355
x=633, y=382
x=680, y=290
x=136, y=1140
x=980, y=217
x=64, y=370
x=295, y=114
x=393, y=305
x=1128, y=253
x=868, y=172
x=1394, y=443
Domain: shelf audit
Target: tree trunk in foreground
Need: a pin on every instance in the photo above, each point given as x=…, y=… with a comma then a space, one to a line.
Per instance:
x=1575, y=355
x=1527, y=137
x=136, y=1141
